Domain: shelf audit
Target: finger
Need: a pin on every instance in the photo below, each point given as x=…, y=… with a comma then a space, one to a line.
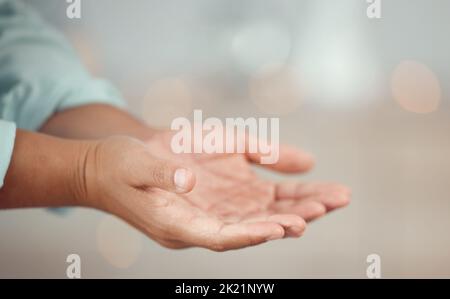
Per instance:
x=212, y=234
x=240, y=235
x=190, y=226
x=293, y=225
x=307, y=209
x=311, y=207
x=296, y=190
x=290, y=160
x=332, y=201
x=166, y=175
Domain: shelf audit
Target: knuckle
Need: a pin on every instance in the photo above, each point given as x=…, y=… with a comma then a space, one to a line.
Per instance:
x=159, y=173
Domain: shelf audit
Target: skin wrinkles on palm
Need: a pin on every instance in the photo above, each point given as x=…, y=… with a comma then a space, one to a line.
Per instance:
x=226, y=185
x=228, y=192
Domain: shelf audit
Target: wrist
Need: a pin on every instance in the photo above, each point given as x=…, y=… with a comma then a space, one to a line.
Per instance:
x=42, y=172
x=81, y=174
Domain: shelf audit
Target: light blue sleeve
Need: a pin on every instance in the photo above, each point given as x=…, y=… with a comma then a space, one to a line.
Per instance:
x=7, y=136
x=40, y=74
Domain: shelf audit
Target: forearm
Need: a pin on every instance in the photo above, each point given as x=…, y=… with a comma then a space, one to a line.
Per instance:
x=43, y=172
x=96, y=121
x=47, y=171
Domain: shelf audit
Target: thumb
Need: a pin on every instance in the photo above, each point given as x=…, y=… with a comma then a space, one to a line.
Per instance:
x=169, y=176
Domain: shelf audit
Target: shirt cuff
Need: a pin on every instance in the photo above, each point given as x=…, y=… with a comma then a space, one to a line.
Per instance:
x=92, y=91
x=7, y=135
x=31, y=102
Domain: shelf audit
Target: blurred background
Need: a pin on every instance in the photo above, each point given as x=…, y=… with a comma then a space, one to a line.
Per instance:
x=369, y=97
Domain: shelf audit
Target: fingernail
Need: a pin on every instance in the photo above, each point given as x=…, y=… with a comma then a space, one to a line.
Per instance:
x=180, y=179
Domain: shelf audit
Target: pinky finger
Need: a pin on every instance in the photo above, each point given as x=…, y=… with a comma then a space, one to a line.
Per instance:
x=240, y=235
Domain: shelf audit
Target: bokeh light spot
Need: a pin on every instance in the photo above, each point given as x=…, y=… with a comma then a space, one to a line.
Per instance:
x=118, y=243
x=415, y=87
x=87, y=51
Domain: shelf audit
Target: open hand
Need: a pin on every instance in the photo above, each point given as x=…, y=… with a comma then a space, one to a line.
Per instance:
x=214, y=201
